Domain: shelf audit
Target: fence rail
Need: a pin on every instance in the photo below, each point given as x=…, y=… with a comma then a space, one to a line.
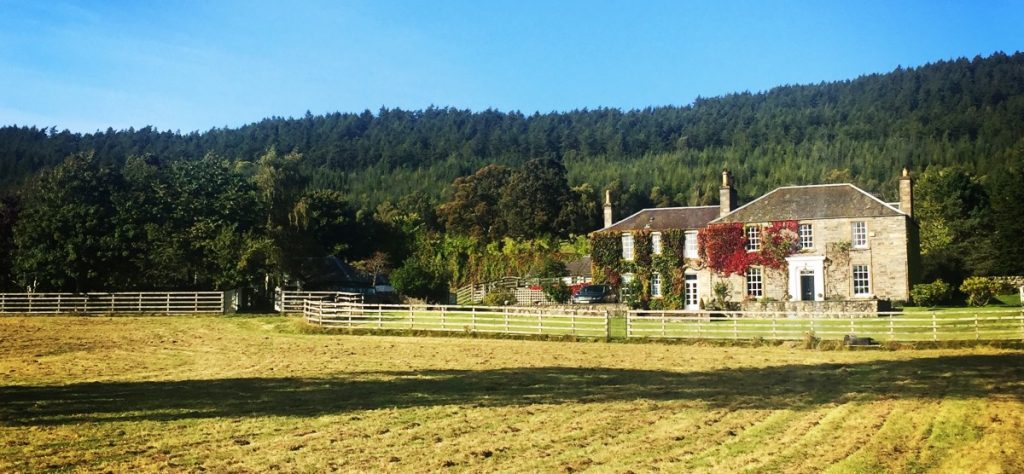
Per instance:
x=113, y=303
x=908, y=327
x=448, y=318
x=289, y=301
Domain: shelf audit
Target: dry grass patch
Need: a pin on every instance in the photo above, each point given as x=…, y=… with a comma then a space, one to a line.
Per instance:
x=257, y=394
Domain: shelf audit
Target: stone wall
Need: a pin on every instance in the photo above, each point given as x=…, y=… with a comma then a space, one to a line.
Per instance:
x=861, y=308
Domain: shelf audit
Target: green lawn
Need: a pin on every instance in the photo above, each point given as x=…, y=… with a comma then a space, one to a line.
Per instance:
x=247, y=394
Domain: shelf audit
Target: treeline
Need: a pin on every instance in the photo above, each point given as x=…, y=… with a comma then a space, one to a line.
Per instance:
x=967, y=112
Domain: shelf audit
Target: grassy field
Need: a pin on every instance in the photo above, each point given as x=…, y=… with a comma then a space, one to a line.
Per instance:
x=253, y=394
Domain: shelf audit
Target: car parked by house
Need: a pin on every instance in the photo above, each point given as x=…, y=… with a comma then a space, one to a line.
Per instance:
x=592, y=294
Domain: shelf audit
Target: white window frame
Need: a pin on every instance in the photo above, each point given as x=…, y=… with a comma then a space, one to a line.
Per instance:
x=627, y=246
x=656, y=285
x=753, y=238
x=862, y=282
x=755, y=282
x=806, y=233
x=859, y=234
x=656, y=243
x=690, y=249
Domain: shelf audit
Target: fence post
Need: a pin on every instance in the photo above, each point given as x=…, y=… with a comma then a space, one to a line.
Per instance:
x=700, y=332
x=977, y=331
x=935, y=329
x=442, y=317
x=663, y=333
x=1021, y=319
x=892, y=332
x=504, y=310
x=572, y=321
x=735, y=327
x=540, y=325
x=852, y=330
x=412, y=318
x=608, y=325
x=775, y=331
x=472, y=318
x=380, y=316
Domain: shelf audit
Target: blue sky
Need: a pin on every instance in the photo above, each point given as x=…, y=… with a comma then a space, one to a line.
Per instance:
x=183, y=65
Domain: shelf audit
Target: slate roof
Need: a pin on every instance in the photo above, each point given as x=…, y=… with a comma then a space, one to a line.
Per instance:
x=825, y=201
x=665, y=218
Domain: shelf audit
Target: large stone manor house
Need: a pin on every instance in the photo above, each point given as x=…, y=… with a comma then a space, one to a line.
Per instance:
x=852, y=246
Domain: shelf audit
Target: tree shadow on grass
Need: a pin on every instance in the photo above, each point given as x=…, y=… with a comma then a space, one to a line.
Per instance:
x=779, y=387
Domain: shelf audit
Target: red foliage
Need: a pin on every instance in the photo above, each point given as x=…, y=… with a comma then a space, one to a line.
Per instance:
x=723, y=246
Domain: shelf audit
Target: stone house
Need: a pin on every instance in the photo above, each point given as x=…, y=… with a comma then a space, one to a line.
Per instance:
x=844, y=245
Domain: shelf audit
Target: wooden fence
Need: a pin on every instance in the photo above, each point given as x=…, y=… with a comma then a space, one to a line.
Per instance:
x=113, y=303
x=289, y=301
x=450, y=318
x=945, y=326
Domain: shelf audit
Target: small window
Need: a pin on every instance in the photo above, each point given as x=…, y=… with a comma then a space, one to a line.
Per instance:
x=656, y=285
x=860, y=234
x=627, y=246
x=656, y=243
x=806, y=236
x=755, y=285
x=690, y=249
x=753, y=238
x=861, y=280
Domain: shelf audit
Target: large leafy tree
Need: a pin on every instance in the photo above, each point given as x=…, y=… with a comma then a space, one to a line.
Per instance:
x=533, y=200
x=63, y=234
x=474, y=208
x=952, y=208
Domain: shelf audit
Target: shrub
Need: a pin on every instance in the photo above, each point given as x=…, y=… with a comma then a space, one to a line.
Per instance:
x=979, y=290
x=931, y=294
x=499, y=297
x=557, y=291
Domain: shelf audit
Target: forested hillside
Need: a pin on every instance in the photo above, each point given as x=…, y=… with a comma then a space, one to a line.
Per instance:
x=389, y=177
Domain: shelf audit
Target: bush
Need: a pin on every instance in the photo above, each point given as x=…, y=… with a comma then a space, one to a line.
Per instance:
x=420, y=280
x=979, y=290
x=931, y=294
x=557, y=291
x=499, y=297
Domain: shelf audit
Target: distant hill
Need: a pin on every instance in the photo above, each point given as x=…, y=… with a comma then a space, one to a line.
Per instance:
x=968, y=112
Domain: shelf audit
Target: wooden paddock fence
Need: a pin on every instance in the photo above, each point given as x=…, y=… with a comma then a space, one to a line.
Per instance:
x=453, y=318
x=887, y=326
x=291, y=301
x=113, y=303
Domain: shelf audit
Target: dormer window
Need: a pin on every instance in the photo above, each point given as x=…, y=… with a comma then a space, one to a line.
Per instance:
x=753, y=238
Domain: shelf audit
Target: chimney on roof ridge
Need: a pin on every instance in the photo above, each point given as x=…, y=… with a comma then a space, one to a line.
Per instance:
x=907, y=192
x=607, y=208
x=726, y=194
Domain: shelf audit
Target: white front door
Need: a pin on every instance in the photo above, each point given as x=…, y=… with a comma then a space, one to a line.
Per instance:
x=691, y=301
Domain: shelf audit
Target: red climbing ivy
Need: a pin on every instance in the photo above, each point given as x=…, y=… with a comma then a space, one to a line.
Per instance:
x=723, y=247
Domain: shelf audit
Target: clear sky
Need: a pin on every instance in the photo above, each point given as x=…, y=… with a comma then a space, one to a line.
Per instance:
x=193, y=65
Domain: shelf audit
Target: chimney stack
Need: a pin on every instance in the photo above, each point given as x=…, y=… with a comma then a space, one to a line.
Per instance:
x=726, y=195
x=907, y=192
x=607, y=208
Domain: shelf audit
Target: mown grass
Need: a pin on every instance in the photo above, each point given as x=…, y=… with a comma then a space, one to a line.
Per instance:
x=257, y=394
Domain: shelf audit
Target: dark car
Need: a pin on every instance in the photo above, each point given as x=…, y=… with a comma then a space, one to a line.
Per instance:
x=591, y=294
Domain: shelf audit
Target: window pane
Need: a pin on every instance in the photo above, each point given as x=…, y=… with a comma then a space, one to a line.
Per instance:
x=656, y=243
x=861, y=283
x=753, y=238
x=690, y=250
x=755, y=285
x=860, y=234
x=806, y=236
x=627, y=246
x=656, y=284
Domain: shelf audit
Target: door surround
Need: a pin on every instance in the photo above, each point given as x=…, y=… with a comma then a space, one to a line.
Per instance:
x=806, y=263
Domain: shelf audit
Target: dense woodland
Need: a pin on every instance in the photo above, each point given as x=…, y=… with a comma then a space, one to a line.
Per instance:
x=451, y=196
